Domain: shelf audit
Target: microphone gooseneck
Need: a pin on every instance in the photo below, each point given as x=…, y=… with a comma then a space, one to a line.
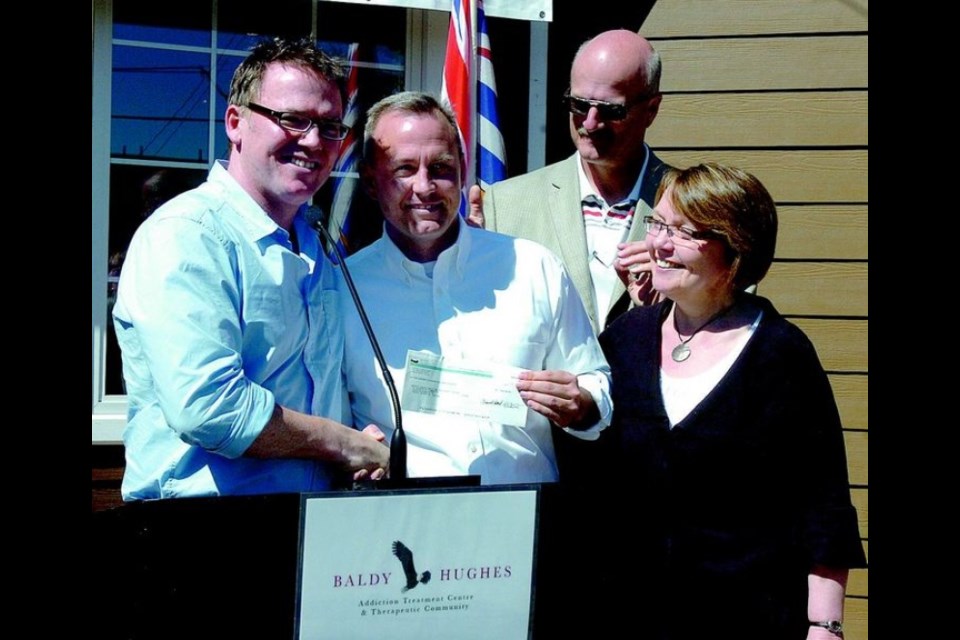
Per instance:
x=398, y=441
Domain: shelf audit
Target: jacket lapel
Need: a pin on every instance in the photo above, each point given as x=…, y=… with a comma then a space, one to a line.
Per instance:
x=571, y=236
x=648, y=191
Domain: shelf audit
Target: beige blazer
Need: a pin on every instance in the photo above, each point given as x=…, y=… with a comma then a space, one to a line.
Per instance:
x=544, y=206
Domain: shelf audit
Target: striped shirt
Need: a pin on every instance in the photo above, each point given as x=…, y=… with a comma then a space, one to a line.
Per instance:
x=606, y=226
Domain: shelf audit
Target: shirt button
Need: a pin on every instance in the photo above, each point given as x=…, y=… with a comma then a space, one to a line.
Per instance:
x=473, y=448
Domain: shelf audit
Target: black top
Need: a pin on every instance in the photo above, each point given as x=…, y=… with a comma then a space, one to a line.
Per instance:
x=740, y=499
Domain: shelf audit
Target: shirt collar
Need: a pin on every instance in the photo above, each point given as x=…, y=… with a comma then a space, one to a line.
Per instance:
x=255, y=222
x=586, y=189
x=456, y=254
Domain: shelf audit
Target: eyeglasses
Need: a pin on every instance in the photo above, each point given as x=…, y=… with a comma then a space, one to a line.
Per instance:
x=605, y=110
x=680, y=235
x=299, y=123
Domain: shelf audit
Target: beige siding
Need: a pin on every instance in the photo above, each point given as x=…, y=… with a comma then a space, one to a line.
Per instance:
x=807, y=175
x=750, y=64
x=817, y=288
x=841, y=344
x=855, y=619
x=822, y=232
x=857, y=583
x=859, y=497
x=851, y=395
x=748, y=17
x=856, y=442
x=752, y=119
x=779, y=88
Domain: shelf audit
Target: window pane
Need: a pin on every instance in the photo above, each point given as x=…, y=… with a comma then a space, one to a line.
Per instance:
x=172, y=22
x=226, y=65
x=160, y=104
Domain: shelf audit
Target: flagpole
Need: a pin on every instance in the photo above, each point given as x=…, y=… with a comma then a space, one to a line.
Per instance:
x=471, y=177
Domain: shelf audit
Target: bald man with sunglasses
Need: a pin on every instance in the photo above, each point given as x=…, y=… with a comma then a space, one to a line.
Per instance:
x=589, y=208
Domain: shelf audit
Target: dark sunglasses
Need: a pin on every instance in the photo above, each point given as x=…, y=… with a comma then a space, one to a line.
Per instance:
x=605, y=110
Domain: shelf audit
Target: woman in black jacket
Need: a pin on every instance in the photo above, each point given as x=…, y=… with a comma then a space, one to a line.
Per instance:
x=726, y=435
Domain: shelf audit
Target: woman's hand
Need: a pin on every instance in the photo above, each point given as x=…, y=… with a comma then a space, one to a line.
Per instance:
x=633, y=265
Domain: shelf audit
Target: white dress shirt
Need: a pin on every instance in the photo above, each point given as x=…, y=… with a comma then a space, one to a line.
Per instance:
x=490, y=298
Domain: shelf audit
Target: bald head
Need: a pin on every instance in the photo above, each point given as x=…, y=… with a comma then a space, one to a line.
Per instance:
x=621, y=59
x=614, y=98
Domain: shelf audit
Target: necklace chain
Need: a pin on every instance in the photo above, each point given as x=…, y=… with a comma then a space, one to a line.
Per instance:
x=682, y=351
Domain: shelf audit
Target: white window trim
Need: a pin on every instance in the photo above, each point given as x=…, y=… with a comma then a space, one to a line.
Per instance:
x=108, y=417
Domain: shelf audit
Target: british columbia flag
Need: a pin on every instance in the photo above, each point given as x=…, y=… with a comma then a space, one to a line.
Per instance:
x=488, y=156
x=346, y=165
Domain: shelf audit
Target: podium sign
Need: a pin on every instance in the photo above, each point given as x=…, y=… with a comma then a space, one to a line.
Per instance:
x=450, y=563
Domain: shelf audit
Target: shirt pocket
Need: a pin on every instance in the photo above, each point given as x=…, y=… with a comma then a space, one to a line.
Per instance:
x=268, y=316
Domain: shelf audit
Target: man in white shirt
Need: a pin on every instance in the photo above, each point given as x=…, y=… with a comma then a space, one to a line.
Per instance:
x=433, y=283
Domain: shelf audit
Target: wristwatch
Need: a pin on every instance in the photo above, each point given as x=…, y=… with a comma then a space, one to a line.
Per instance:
x=833, y=626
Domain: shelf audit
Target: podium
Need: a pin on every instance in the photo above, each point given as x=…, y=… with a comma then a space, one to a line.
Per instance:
x=229, y=566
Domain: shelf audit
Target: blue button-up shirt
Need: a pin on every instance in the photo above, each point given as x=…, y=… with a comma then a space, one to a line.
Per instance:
x=219, y=320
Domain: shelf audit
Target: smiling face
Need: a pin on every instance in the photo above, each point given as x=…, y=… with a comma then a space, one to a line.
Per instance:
x=279, y=169
x=696, y=274
x=414, y=173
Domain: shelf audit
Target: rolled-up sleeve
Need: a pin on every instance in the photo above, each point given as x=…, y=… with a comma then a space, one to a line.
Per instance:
x=180, y=289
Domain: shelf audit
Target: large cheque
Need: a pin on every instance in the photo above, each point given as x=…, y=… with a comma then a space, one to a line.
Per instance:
x=438, y=385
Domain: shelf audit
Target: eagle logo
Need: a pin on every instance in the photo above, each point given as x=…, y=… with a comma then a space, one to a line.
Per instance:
x=405, y=556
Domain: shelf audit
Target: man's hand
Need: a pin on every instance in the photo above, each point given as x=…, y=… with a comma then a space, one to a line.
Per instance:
x=292, y=434
x=374, y=464
x=558, y=396
x=475, y=212
x=633, y=265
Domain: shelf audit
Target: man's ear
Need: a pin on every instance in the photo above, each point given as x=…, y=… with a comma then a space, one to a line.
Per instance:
x=233, y=121
x=366, y=180
x=653, y=108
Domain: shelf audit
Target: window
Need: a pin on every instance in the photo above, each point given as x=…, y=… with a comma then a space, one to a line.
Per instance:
x=161, y=75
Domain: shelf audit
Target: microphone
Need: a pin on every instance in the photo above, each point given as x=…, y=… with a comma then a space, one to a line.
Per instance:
x=398, y=441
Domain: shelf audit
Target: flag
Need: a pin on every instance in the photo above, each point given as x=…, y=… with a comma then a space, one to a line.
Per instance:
x=487, y=158
x=492, y=161
x=455, y=88
x=345, y=185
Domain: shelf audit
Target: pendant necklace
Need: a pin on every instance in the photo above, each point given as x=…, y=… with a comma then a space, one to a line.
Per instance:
x=681, y=352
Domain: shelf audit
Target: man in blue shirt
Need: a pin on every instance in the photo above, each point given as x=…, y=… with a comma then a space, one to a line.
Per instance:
x=227, y=313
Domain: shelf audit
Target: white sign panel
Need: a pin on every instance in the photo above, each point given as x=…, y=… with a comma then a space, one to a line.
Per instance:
x=457, y=564
x=540, y=10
